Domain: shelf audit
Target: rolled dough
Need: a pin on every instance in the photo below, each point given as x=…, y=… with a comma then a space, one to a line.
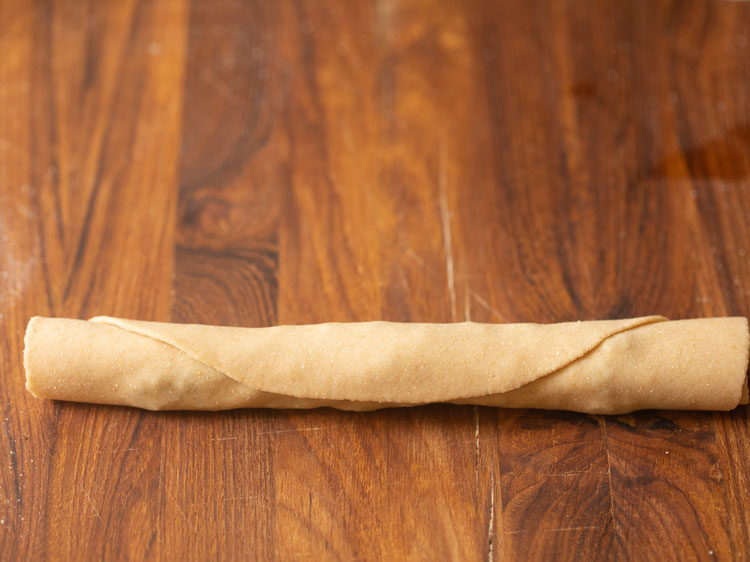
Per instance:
x=602, y=367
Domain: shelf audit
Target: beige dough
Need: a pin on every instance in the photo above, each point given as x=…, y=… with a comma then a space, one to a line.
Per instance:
x=603, y=367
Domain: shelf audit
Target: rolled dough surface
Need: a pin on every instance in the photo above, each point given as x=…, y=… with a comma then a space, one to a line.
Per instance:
x=603, y=367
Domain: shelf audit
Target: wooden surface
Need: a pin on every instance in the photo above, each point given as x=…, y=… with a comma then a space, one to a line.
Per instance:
x=254, y=163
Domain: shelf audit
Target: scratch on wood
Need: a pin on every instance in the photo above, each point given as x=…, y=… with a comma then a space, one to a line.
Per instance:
x=13, y=458
x=589, y=470
x=484, y=304
x=557, y=530
x=404, y=280
x=603, y=423
x=113, y=451
x=276, y=432
x=476, y=447
x=414, y=256
x=96, y=511
x=173, y=500
x=445, y=218
x=291, y=430
x=491, y=526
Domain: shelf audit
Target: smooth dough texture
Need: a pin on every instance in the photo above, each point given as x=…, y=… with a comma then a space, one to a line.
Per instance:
x=603, y=367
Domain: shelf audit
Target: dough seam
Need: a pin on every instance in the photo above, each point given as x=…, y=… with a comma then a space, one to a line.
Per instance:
x=646, y=321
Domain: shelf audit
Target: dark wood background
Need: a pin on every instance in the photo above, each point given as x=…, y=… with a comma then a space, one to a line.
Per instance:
x=256, y=163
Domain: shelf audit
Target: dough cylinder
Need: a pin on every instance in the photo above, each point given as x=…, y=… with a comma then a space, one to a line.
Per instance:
x=601, y=367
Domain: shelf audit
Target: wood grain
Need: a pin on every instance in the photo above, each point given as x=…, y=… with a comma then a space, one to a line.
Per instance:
x=255, y=163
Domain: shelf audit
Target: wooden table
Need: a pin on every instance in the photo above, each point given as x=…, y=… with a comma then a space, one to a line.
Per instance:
x=258, y=163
